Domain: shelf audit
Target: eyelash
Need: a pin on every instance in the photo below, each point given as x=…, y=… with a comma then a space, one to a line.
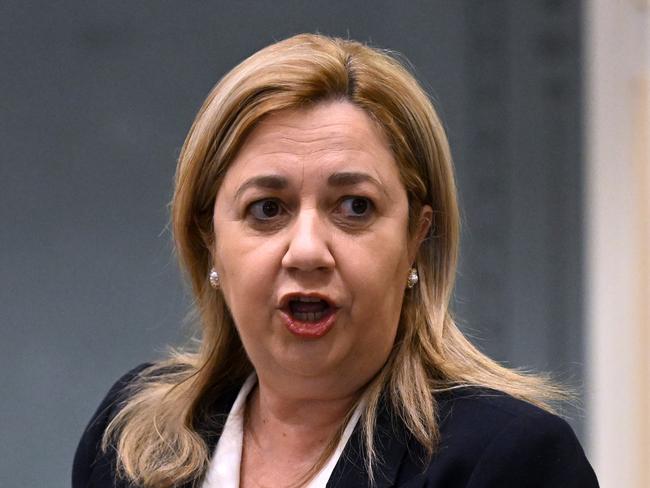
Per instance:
x=258, y=204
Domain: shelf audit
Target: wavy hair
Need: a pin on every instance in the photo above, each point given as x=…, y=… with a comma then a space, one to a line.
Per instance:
x=157, y=431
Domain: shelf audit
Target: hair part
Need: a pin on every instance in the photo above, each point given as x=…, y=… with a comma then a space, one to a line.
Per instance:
x=155, y=430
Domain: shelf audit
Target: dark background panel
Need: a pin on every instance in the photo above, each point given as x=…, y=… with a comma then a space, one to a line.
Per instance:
x=95, y=100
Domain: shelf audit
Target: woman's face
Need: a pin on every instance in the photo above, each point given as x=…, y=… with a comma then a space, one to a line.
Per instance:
x=312, y=248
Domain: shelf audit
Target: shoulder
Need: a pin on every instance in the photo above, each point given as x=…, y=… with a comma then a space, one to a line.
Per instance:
x=91, y=467
x=94, y=468
x=483, y=412
x=489, y=438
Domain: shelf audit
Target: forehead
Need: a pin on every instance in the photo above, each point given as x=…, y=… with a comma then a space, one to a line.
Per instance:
x=312, y=142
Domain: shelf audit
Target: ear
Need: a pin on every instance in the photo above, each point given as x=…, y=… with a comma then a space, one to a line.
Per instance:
x=424, y=224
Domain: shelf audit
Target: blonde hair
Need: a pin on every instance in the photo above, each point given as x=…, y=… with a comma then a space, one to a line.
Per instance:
x=156, y=431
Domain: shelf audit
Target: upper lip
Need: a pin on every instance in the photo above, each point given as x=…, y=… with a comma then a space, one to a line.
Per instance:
x=285, y=299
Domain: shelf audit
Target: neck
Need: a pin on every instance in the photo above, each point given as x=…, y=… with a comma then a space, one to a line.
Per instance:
x=295, y=425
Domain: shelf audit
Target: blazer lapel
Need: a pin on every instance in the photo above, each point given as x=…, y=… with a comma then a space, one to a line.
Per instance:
x=391, y=447
x=211, y=422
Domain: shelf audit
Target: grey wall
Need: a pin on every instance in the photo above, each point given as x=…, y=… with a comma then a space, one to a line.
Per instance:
x=95, y=100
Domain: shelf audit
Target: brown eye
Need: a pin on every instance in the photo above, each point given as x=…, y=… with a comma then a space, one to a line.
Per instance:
x=356, y=207
x=265, y=209
x=359, y=206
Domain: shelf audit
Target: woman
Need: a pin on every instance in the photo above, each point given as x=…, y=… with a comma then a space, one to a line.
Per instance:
x=315, y=214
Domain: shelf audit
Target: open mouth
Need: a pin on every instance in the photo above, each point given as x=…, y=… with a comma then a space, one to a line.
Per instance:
x=308, y=316
x=309, y=309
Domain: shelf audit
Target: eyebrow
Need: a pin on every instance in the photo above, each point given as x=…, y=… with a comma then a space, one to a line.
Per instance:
x=353, y=178
x=269, y=182
x=277, y=182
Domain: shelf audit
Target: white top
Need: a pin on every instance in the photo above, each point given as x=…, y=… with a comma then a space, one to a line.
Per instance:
x=224, y=467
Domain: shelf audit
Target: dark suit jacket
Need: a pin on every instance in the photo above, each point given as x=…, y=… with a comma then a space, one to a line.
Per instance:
x=488, y=439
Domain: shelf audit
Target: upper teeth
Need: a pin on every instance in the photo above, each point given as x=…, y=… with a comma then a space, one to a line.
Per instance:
x=309, y=299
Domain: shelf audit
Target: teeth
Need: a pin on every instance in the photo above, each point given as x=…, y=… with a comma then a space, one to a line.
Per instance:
x=308, y=316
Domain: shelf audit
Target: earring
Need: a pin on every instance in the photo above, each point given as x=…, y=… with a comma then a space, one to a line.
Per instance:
x=413, y=278
x=214, y=278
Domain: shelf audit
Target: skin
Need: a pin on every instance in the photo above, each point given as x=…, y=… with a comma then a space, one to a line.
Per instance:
x=316, y=238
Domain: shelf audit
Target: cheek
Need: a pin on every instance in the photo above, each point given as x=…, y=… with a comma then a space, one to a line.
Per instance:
x=375, y=272
x=379, y=255
x=375, y=282
x=247, y=269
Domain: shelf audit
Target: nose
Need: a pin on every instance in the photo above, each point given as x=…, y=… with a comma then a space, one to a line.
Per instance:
x=309, y=243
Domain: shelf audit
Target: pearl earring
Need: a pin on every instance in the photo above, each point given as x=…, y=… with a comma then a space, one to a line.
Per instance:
x=214, y=278
x=413, y=278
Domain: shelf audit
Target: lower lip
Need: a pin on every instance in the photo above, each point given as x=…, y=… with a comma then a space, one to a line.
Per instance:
x=309, y=330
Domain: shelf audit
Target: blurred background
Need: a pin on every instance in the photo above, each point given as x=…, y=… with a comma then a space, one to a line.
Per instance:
x=547, y=107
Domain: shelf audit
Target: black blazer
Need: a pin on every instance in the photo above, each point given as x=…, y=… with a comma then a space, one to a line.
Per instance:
x=487, y=439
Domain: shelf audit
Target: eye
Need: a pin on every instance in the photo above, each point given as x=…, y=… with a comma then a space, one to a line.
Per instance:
x=266, y=209
x=356, y=207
